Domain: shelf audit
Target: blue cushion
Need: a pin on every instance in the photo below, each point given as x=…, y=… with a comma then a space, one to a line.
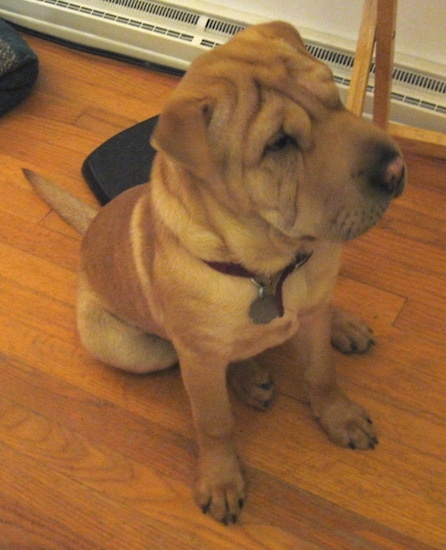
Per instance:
x=19, y=68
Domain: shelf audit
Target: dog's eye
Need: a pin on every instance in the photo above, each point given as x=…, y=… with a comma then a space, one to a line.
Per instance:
x=280, y=143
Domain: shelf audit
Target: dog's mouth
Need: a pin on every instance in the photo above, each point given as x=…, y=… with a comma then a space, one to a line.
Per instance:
x=349, y=224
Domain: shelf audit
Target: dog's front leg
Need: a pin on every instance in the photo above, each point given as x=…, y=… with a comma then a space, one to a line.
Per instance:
x=345, y=423
x=220, y=487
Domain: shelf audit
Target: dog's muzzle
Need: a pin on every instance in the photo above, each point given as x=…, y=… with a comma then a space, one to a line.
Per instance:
x=383, y=181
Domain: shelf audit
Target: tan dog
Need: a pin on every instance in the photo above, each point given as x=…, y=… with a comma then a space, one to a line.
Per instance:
x=234, y=245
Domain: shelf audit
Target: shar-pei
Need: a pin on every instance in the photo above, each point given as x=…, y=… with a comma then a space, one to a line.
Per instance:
x=233, y=246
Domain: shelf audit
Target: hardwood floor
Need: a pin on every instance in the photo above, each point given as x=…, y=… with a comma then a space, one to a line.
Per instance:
x=92, y=458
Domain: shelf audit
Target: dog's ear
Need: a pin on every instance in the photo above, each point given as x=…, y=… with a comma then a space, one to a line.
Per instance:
x=181, y=133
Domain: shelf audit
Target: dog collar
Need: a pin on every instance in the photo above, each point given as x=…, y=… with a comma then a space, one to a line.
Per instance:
x=269, y=303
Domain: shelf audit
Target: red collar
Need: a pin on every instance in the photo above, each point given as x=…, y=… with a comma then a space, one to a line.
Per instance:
x=237, y=270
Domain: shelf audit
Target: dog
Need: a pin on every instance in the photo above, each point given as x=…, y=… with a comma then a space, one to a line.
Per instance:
x=234, y=245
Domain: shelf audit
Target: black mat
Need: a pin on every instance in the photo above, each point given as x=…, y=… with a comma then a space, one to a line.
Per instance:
x=121, y=162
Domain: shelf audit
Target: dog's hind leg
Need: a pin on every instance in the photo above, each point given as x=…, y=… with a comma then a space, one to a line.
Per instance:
x=252, y=384
x=118, y=343
x=349, y=333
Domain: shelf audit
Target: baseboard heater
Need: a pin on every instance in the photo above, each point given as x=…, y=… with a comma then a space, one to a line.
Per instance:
x=171, y=36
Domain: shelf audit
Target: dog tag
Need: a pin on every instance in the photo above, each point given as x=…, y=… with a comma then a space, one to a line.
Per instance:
x=264, y=309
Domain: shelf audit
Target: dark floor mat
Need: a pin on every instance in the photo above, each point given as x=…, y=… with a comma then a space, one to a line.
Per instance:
x=123, y=161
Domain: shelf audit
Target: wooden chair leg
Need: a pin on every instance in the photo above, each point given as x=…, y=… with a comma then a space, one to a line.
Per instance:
x=378, y=30
x=385, y=41
x=363, y=59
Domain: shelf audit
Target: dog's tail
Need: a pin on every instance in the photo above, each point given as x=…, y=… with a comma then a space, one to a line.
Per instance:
x=75, y=212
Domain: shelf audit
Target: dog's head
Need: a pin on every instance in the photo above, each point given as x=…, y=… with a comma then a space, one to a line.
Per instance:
x=258, y=122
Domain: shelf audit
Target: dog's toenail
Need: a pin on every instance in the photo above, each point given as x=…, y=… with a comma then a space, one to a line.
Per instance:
x=241, y=503
x=205, y=507
x=352, y=444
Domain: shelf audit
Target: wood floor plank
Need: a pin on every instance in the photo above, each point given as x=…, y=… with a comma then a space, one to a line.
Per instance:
x=64, y=449
x=112, y=473
x=40, y=239
x=61, y=506
x=47, y=277
x=399, y=274
x=124, y=88
x=423, y=318
x=104, y=123
x=418, y=226
x=15, y=196
x=378, y=307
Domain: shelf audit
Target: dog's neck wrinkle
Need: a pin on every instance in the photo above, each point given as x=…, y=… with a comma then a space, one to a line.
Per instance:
x=249, y=240
x=181, y=213
x=211, y=231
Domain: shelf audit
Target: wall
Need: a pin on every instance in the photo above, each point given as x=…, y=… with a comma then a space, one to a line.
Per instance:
x=421, y=24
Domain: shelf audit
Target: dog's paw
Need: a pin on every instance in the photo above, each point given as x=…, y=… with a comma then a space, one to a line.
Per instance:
x=252, y=384
x=348, y=425
x=349, y=333
x=220, y=490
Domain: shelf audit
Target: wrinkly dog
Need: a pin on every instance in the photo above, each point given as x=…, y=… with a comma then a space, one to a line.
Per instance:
x=233, y=247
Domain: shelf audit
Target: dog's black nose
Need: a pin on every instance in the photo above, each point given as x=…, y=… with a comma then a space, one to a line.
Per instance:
x=390, y=173
x=394, y=176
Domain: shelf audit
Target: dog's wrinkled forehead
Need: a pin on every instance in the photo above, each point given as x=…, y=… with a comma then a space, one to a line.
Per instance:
x=237, y=96
x=274, y=57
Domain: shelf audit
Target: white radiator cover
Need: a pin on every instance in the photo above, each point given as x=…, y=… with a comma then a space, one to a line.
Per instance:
x=172, y=35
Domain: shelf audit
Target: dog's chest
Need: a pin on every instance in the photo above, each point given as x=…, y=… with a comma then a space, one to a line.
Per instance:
x=301, y=291
x=209, y=311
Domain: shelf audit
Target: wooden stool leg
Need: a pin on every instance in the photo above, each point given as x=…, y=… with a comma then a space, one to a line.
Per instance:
x=385, y=41
x=419, y=140
x=363, y=59
x=378, y=26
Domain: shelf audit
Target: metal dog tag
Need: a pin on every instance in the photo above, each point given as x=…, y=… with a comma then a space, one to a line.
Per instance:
x=264, y=309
